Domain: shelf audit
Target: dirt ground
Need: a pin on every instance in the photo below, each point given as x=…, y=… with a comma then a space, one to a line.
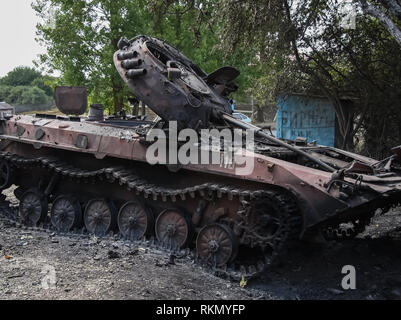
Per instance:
x=44, y=265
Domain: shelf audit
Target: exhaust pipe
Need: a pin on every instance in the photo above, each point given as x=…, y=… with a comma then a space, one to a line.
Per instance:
x=131, y=64
x=133, y=73
x=127, y=55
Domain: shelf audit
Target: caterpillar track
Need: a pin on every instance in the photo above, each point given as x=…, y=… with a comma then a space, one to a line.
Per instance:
x=348, y=230
x=252, y=234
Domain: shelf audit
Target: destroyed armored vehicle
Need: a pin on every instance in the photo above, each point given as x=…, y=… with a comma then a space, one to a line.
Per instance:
x=95, y=172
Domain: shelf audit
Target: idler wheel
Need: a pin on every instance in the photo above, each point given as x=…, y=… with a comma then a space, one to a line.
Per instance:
x=134, y=221
x=33, y=207
x=173, y=228
x=99, y=217
x=5, y=175
x=66, y=213
x=217, y=244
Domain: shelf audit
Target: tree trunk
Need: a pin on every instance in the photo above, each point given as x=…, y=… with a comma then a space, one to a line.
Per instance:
x=134, y=105
x=386, y=22
x=118, y=99
x=393, y=7
x=257, y=114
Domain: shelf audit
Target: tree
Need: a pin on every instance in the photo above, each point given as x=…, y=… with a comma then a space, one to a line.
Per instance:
x=25, y=85
x=33, y=96
x=20, y=76
x=304, y=48
x=4, y=92
x=25, y=95
x=280, y=46
x=81, y=37
x=388, y=20
x=44, y=83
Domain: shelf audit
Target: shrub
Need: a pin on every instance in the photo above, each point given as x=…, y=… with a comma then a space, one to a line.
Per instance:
x=4, y=92
x=20, y=76
x=26, y=95
x=41, y=83
x=34, y=95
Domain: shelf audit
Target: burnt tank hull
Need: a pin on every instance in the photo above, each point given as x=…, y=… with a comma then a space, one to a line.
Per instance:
x=65, y=137
x=98, y=174
x=51, y=159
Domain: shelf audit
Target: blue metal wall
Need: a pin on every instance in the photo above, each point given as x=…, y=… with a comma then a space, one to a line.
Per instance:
x=308, y=117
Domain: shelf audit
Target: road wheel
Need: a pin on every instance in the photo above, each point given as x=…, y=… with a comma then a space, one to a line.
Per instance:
x=99, y=216
x=173, y=229
x=66, y=213
x=5, y=175
x=217, y=244
x=134, y=221
x=33, y=207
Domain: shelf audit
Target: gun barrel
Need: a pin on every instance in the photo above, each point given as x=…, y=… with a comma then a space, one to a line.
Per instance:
x=258, y=131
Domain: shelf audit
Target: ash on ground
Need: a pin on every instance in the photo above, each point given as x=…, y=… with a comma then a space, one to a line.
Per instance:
x=44, y=265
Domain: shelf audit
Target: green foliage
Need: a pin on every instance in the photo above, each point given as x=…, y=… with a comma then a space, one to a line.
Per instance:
x=43, y=83
x=4, y=92
x=26, y=95
x=20, y=76
x=285, y=46
x=195, y=28
x=280, y=46
x=303, y=48
x=34, y=95
x=25, y=85
x=81, y=38
x=90, y=30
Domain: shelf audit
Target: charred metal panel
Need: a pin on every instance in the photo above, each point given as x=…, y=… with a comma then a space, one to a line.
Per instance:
x=71, y=100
